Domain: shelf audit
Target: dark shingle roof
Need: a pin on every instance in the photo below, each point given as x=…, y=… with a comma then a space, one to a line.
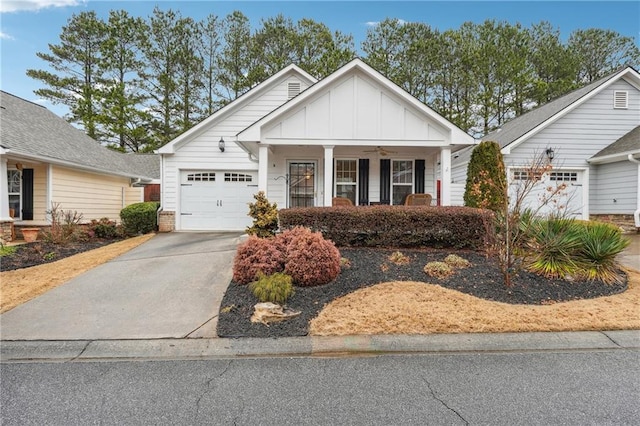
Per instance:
x=32, y=130
x=519, y=126
x=628, y=144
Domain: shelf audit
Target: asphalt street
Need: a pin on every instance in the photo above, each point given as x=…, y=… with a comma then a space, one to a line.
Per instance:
x=595, y=387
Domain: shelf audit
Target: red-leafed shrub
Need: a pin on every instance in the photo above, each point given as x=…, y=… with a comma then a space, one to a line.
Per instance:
x=310, y=259
x=257, y=255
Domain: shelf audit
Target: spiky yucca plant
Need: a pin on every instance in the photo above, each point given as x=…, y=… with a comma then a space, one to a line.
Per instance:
x=600, y=243
x=553, y=245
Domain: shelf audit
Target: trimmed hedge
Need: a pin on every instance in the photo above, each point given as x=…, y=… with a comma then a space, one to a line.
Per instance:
x=140, y=218
x=394, y=226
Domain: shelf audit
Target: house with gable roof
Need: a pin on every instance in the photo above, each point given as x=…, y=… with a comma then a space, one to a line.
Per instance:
x=354, y=135
x=45, y=160
x=591, y=138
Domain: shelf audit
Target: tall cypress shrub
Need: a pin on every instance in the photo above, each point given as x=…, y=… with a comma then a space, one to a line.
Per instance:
x=486, y=185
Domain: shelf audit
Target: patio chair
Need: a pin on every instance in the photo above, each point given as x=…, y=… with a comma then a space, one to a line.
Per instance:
x=341, y=201
x=418, y=200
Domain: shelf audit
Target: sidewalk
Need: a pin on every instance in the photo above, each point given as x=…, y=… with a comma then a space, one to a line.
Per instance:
x=198, y=349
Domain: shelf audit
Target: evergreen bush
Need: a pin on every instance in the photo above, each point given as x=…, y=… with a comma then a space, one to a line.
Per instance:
x=486, y=185
x=257, y=255
x=140, y=218
x=274, y=288
x=265, y=217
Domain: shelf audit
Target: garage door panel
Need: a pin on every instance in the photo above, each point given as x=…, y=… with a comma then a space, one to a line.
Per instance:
x=558, y=193
x=216, y=204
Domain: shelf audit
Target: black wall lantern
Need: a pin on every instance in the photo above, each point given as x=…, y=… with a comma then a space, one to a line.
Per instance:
x=550, y=153
x=221, y=145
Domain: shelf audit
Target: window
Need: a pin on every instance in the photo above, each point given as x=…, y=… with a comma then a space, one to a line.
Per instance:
x=526, y=175
x=15, y=184
x=346, y=179
x=201, y=177
x=237, y=177
x=564, y=176
x=401, y=180
x=620, y=99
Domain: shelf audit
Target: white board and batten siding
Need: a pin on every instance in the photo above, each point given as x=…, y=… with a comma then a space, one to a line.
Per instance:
x=201, y=154
x=94, y=195
x=616, y=188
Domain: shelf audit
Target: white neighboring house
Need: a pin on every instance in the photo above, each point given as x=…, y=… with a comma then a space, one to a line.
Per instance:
x=592, y=134
x=354, y=134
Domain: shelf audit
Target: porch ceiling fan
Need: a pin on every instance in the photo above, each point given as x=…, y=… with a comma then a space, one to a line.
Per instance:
x=380, y=150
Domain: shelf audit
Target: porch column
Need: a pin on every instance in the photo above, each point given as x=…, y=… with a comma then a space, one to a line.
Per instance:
x=4, y=190
x=445, y=176
x=263, y=168
x=328, y=175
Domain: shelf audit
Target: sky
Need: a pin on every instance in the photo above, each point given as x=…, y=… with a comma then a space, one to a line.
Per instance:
x=29, y=26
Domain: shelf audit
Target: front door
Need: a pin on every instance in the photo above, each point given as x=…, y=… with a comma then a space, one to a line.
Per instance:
x=302, y=183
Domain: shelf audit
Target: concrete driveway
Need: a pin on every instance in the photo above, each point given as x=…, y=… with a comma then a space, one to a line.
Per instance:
x=169, y=287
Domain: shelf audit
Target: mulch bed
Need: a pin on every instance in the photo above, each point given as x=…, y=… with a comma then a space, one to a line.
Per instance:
x=483, y=279
x=40, y=252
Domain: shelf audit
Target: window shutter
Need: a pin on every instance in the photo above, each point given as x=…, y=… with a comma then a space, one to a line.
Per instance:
x=385, y=181
x=620, y=99
x=293, y=89
x=363, y=182
x=419, y=185
x=27, y=194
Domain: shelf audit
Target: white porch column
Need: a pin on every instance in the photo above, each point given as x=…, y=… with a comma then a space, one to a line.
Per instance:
x=445, y=176
x=328, y=175
x=4, y=190
x=263, y=168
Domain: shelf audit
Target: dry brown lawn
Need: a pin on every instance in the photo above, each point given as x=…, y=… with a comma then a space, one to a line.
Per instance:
x=420, y=308
x=22, y=285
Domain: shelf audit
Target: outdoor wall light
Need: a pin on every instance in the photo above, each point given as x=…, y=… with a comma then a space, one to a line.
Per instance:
x=550, y=153
x=221, y=145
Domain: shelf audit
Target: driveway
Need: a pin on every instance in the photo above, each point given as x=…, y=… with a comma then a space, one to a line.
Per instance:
x=169, y=287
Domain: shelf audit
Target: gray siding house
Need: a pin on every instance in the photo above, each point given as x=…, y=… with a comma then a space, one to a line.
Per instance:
x=593, y=138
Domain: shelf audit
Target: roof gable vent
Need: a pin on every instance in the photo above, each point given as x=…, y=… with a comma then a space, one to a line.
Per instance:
x=293, y=89
x=620, y=99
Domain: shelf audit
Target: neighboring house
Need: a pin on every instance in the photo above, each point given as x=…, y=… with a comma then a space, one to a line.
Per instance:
x=354, y=134
x=592, y=134
x=45, y=160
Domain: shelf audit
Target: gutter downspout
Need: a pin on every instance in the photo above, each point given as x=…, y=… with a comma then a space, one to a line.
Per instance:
x=636, y=214
x=249, y=154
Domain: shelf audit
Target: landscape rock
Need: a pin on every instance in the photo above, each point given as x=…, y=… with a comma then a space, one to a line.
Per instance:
x=268, y=312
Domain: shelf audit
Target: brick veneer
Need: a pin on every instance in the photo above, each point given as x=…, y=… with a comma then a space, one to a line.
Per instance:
x=166, y=221
x=6, y=231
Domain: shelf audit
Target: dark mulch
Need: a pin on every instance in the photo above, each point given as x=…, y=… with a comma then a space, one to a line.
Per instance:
x=483, y=279
x=40, y=252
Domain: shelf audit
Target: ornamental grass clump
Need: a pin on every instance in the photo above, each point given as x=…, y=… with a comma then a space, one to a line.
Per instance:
x=552, y=247
x=257, y=255
x=438, y=269
x=399, y=258
x=274, y=288
x=456, y=261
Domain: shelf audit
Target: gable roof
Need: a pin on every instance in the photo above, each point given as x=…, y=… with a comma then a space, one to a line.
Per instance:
x=32, y=131
x=515, y=131
x=251, y=133
x=628, y=144
x=237, y=103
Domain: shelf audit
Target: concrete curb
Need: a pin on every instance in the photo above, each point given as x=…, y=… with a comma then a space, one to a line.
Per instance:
x=172, y=349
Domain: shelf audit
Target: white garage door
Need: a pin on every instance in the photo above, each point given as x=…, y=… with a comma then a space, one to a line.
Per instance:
x=559, y=192
x=216, y=200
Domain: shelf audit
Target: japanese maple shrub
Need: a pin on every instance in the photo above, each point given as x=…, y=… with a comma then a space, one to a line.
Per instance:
x=310, y=259
x=257, y=255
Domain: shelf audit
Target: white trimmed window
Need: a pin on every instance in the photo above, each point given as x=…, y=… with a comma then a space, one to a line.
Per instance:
x=237, y=177
x=14, y=178
x=201, y=177
x=347, y=179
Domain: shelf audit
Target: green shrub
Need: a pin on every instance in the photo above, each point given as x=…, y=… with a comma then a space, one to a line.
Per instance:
x=599, y=244
x=553, y=245
x=265, y=217
x=486, y=185
x=7, y=250
x=140, y=218
x=438, y=269
x=257, y=255
x=274, y=288
x=104, y=228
